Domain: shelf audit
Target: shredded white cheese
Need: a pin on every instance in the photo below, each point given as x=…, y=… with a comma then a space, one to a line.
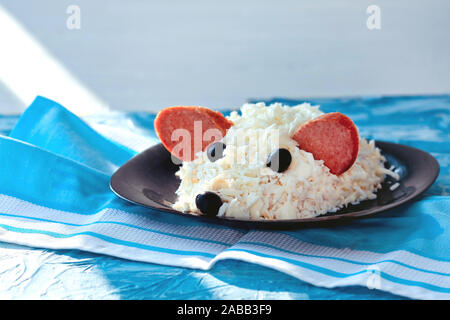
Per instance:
x=251, y=190
x=394, y=186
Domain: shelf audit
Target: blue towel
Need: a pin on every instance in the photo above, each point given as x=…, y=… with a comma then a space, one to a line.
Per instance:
x=54, y=193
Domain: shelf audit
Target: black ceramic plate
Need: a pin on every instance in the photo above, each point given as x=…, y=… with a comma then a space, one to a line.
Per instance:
x=149, y=180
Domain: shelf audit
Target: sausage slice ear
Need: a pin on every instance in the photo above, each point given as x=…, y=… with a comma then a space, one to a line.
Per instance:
x=186, y=130
x=333, y=138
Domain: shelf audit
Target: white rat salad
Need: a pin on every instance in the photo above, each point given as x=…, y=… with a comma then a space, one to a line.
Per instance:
x=269, y=162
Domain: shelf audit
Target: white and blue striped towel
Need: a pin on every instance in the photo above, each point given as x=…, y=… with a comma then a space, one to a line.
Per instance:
x=54, y=193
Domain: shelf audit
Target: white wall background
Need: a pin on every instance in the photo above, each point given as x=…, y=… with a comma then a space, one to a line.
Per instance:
x=145, y=55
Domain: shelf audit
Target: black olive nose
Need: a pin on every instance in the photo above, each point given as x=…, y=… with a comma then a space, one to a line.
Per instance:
x=215, y=151
x=208, y=203
x=280, y=160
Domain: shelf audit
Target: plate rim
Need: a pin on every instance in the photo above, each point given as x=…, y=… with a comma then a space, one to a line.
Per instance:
x=295, y=223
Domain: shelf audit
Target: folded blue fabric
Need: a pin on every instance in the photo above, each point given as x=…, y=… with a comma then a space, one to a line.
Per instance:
x=54, y=193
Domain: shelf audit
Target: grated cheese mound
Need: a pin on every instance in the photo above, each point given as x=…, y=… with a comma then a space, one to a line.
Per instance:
x=251, y=190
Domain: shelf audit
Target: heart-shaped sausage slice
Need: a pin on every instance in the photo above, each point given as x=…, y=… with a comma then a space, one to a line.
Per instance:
x=333, y=138
x=186, y=130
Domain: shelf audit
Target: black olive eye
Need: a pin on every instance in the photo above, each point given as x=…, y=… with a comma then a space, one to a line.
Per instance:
x=215, y=151
x=208, y=203
x=280, y=160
